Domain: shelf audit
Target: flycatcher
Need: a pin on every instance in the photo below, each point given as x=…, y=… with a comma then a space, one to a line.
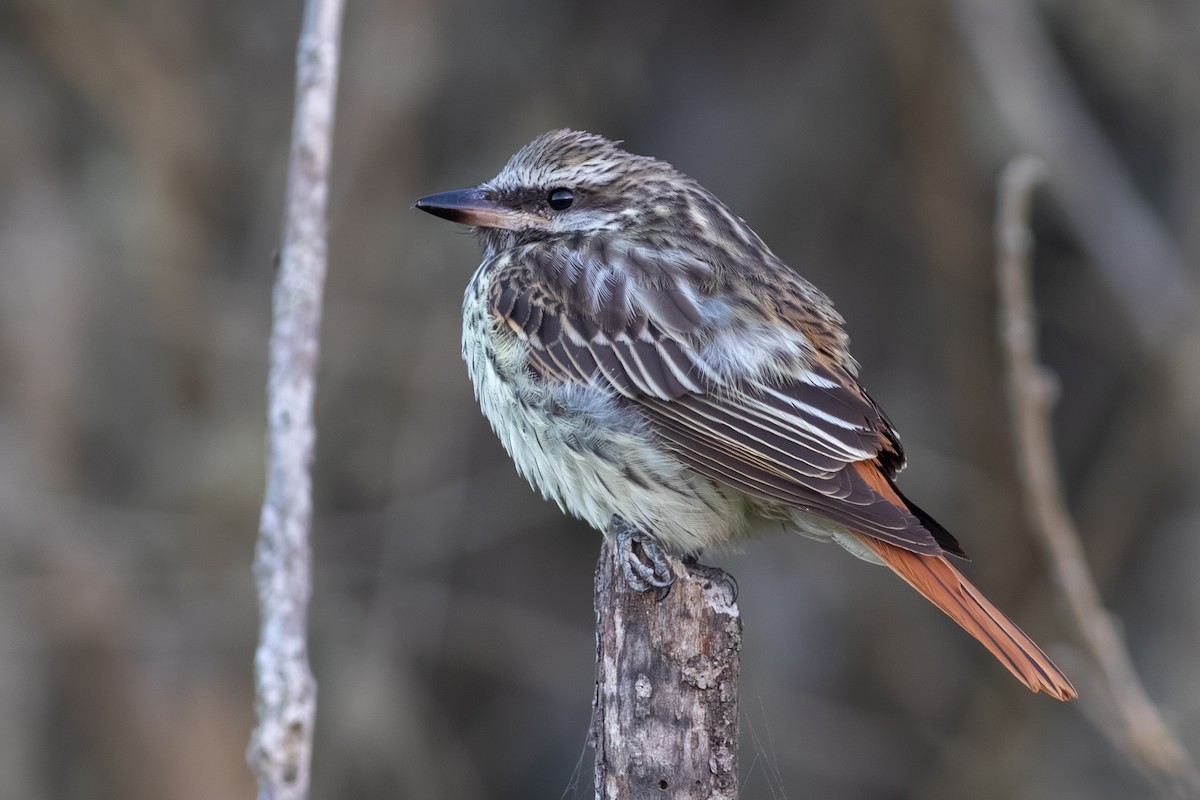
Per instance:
x=656, y=370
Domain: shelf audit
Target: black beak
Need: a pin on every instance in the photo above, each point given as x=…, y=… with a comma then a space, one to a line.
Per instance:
x=475, y=207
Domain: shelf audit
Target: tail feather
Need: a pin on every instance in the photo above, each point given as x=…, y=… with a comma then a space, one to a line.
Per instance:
x=944, y=586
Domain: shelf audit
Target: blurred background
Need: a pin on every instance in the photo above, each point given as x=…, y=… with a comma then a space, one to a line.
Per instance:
x=142, y=155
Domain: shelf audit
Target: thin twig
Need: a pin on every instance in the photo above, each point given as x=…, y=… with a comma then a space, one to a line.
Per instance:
x=281, y=747
x=1143, y=735
x=1035, y=97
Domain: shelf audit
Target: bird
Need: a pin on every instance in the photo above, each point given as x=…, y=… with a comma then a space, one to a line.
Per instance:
x=654, y=368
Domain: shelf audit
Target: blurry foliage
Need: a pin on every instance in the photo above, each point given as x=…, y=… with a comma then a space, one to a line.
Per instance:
x=141, y=155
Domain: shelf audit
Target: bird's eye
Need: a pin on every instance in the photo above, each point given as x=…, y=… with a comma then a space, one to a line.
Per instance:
x=561, y=199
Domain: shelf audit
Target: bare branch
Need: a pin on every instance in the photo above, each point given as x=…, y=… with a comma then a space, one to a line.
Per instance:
x=281, y=747
x=1135, y=254
x=666, y=714
x=1143, y=736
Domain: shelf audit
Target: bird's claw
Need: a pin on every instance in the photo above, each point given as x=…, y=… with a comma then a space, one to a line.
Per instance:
x=642, y=560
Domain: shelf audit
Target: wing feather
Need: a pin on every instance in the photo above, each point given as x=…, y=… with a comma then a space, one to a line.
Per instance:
x=788, y=442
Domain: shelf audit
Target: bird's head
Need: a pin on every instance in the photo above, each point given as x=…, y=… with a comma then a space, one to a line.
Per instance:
x=564, y=182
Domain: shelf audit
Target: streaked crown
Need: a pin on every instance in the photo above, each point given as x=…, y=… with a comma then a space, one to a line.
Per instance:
x=569, y=182
x=570, y=158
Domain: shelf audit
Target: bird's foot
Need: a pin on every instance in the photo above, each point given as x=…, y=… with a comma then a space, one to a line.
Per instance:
x=643, y=561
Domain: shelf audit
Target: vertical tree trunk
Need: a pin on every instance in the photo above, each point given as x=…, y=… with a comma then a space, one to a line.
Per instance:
x=666, y=716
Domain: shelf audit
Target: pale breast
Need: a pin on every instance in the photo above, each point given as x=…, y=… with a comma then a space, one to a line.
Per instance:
x=579, y=446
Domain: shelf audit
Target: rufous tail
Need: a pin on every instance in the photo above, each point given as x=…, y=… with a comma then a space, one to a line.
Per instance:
x=944, y=586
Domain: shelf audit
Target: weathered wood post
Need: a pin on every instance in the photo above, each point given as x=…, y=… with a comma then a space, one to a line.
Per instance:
x=666, y=713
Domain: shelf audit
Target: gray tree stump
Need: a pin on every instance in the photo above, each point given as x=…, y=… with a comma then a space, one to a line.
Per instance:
x=666, y=715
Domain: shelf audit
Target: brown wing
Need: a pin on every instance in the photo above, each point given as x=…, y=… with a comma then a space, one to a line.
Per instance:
x=788, y=441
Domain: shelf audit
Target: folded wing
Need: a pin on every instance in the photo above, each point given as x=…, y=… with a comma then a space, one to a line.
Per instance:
x=785, y=439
